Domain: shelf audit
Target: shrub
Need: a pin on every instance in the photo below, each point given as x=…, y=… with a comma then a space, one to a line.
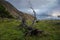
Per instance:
x=4, y=13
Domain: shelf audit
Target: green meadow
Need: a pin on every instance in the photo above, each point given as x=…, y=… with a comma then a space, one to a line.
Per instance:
x=9, y=30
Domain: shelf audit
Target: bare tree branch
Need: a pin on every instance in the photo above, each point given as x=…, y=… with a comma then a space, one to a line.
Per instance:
x=33, y=12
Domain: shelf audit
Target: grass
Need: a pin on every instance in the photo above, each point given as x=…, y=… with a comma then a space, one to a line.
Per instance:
x=10, y=31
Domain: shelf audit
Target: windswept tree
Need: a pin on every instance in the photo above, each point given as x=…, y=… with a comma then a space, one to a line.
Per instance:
x=31, y=7
x=23, y=20
x=29, y=30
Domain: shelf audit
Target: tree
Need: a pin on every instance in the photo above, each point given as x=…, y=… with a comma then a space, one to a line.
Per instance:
x=34, y=21
x=29, y=30
x=23, y=20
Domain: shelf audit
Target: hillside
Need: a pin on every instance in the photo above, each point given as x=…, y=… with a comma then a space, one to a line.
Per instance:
x=13, y=11
x=4, y=13
x=10, y=31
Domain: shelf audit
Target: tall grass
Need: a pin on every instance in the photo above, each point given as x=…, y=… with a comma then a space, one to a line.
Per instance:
x=9, y=30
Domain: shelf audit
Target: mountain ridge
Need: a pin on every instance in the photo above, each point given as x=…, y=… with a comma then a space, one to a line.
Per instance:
x=13, y=11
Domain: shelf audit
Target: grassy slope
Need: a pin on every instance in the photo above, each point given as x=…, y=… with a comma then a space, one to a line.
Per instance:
x=9, y=30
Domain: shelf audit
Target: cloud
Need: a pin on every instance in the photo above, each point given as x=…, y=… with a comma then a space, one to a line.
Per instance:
x=37, y=4
x=42, y=7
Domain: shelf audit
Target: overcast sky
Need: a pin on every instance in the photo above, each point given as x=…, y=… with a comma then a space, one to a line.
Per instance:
x=40, y=6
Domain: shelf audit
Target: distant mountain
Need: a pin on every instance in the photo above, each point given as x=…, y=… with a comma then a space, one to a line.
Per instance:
x=13, y=11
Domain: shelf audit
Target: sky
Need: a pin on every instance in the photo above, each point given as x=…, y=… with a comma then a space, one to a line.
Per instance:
x=43, y=8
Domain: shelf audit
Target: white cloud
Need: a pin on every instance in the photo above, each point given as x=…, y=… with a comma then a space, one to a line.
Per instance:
x=37, y=4
x=40, y=6
x=55, y=13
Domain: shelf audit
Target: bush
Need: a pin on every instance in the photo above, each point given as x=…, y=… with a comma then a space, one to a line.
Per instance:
x=4, y=13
